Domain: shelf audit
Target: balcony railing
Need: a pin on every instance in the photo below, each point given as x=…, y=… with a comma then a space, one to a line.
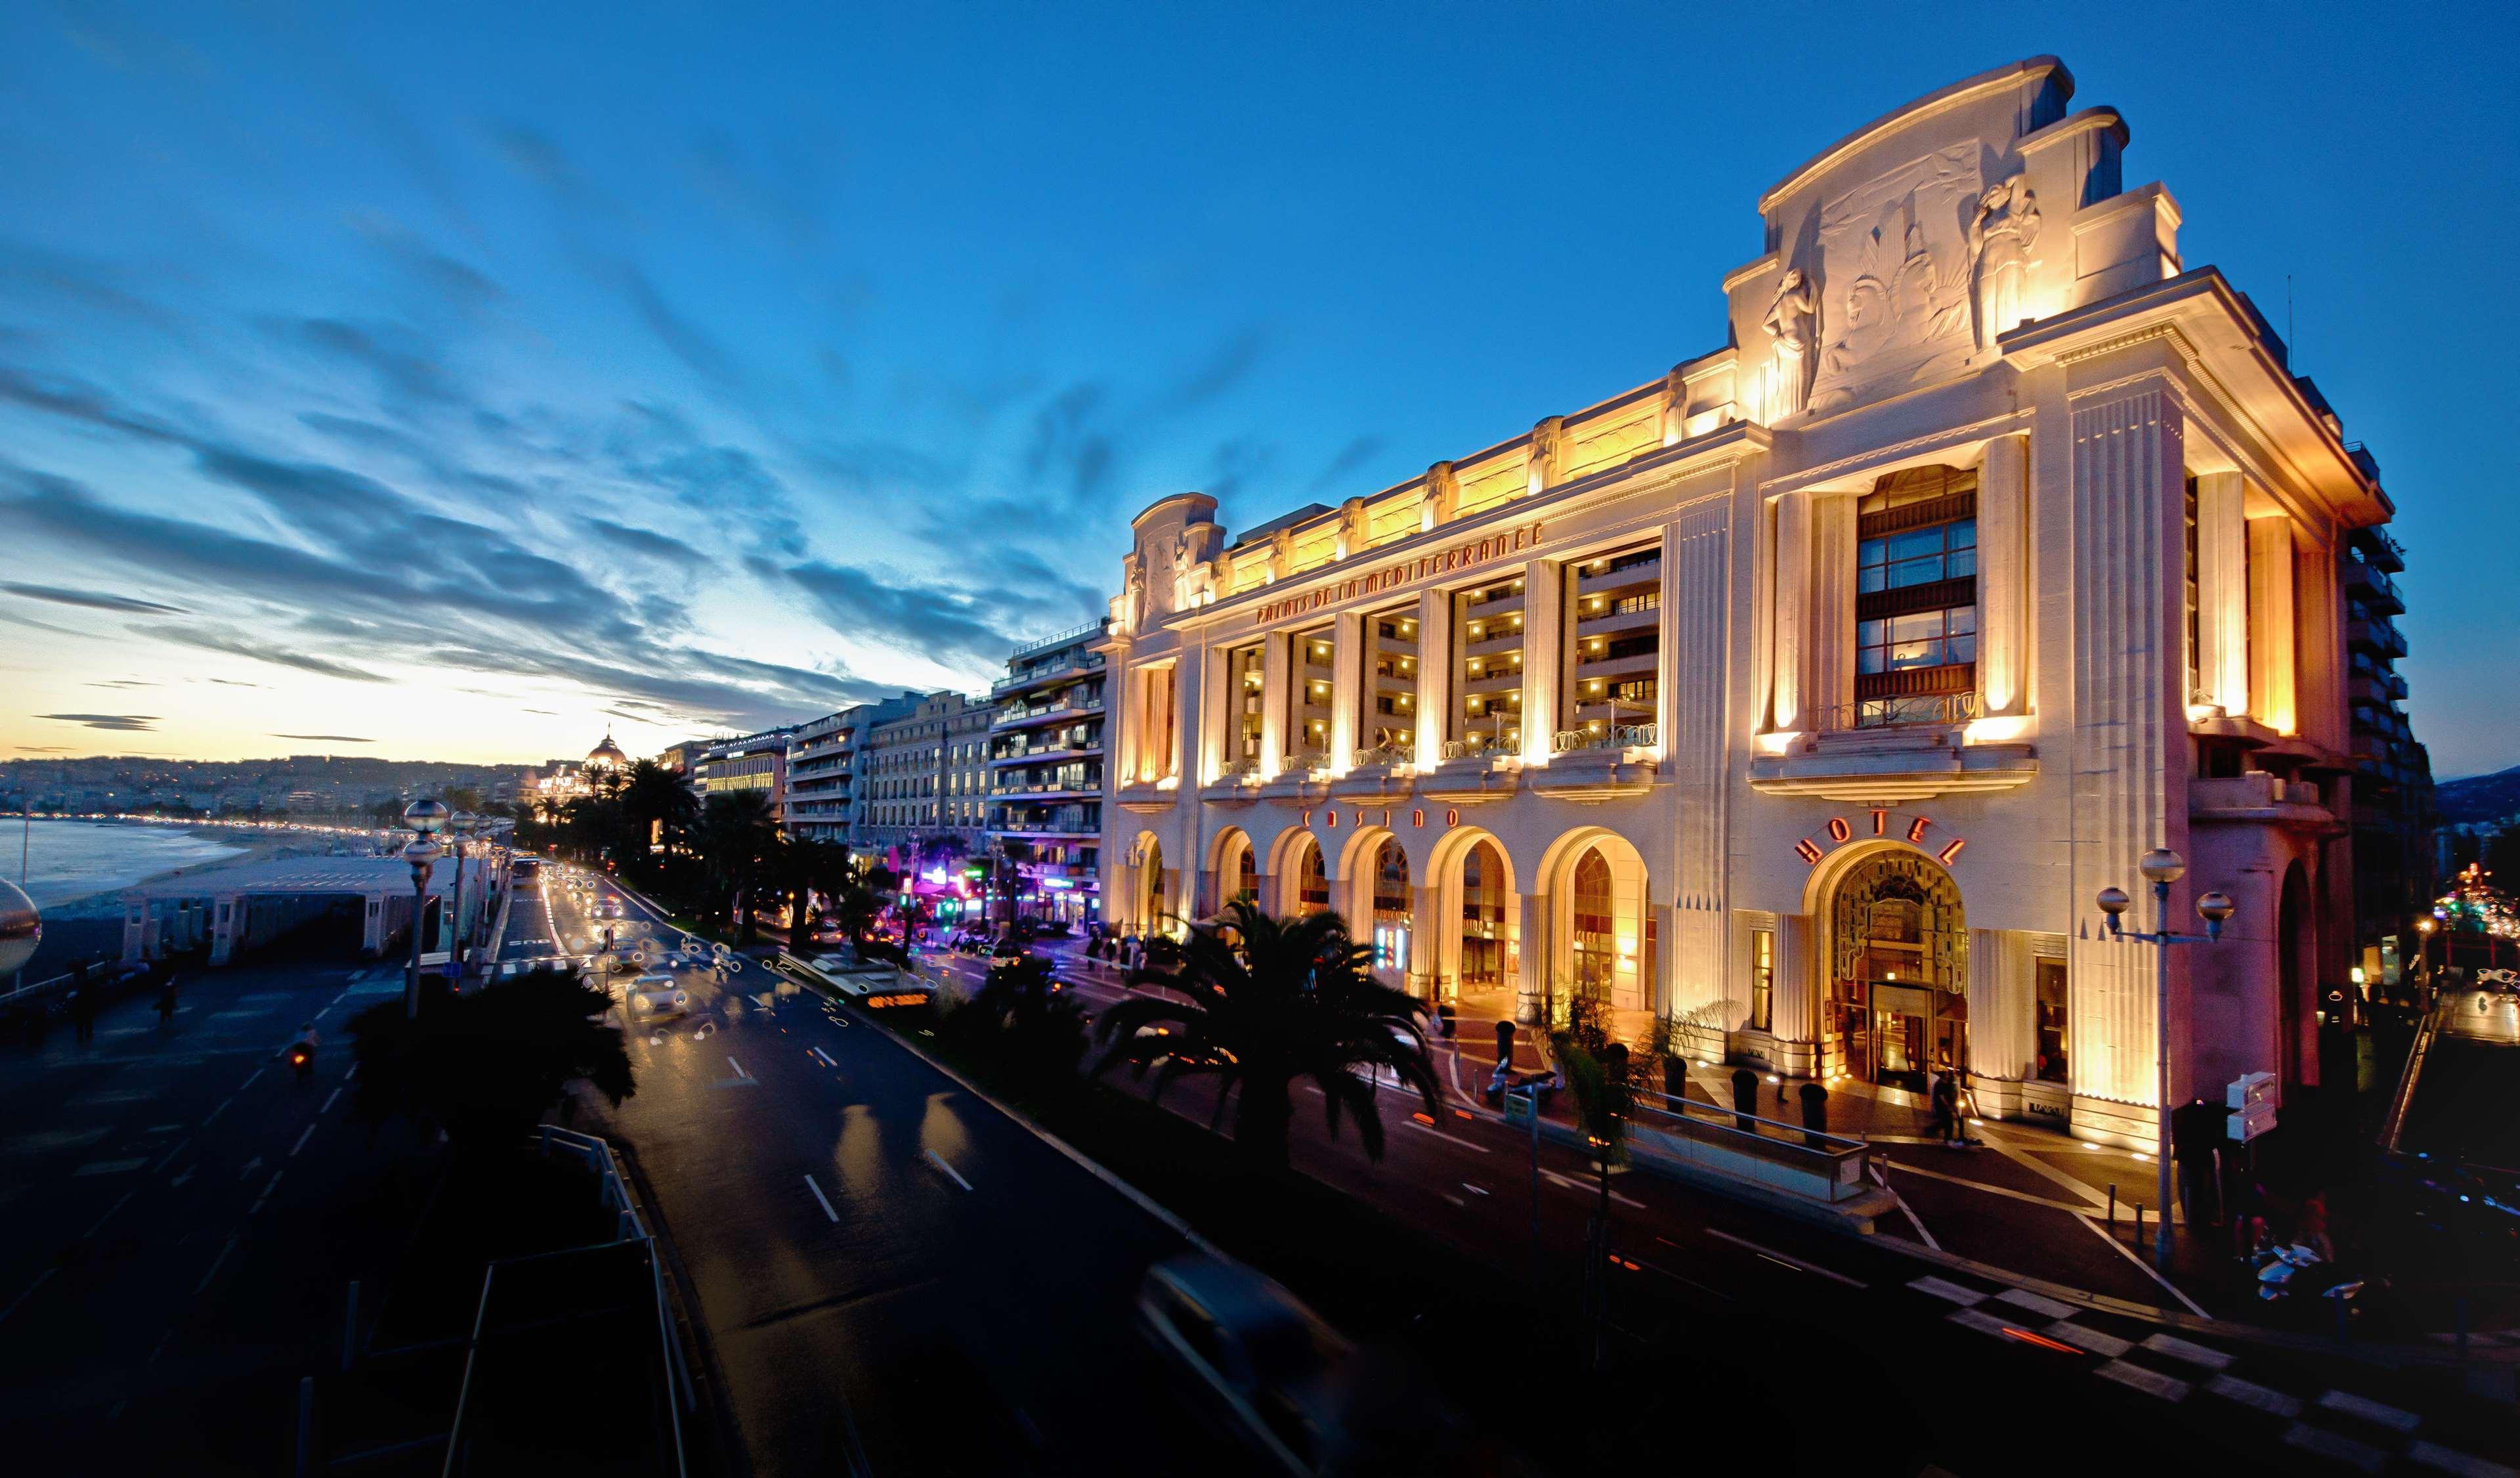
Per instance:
x=1620, y=736
x=1087, y=663
x=1236, y=769
x=1395, y=753
x=1306, y=761
x=1478, y=745
x=1904, y=711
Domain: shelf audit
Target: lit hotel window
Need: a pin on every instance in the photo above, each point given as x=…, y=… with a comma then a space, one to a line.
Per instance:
x=1487, y=656
x=1387, y=714
x=1308, y=698
x=1915, y=602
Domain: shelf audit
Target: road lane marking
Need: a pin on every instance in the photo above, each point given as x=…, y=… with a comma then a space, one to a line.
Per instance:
x=2251, y=1394
x=2149, y=1381
x=2370, y=1411
x=2022, y=1298
x=2192, y=1353
x=2433, y=1455
x=328, y=1101
x=109, y=1213
x=1476, y=1190
x=221, y=1109
x=1773, y=1256
x=819, y=1196
x=1571, y=1183
x=266, y=1191
x=214, y=1265
x=949, y=1170
x=1950, y=1292
x=109, y=1166
x=248, y=1082
x=170, y=1156
x=826, y=1058
x=2332, y=1446
x=301, y=1142
x=29, y=1293
x=1424, y=1128
x=2149, y=1269
x=738, y=1068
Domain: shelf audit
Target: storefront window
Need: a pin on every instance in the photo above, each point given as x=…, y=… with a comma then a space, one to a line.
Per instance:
x=2050, y=986
x=1763, y=978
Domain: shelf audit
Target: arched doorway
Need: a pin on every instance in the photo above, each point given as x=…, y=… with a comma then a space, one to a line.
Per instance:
x=1304, y=876
x=1898, y=1000
x=1236, y=870
x=1487, y=893
x=1150, y=903
x=1389, y=882
x=1602, y=938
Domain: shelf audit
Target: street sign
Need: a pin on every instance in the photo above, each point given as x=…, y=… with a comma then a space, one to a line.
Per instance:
x=2250, y=1122
x=2251, y=1099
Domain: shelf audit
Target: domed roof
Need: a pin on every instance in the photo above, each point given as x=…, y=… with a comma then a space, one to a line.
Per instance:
x=607, y=753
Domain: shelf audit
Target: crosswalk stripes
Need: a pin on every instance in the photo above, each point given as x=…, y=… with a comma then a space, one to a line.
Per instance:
x=2331, y=1428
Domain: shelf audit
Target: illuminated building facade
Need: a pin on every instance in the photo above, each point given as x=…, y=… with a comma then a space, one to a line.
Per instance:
x=1046, y=775
x=1808, y=694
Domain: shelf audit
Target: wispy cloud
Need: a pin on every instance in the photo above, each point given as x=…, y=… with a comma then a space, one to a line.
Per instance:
x=121, y=723
x=327, y=738
x=95, y=600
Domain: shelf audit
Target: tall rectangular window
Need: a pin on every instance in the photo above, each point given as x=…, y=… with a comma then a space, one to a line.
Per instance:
x=1487, y=670
x=1386, y=726
x=1308, y=699
x=1763, y=978
x=2195, y=607
x=1246, y=700
x=1613, y=646
x=1916, y=601
x=2050, y=987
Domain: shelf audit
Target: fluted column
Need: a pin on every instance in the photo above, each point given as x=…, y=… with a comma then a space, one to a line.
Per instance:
x=2003, y=578
x=1425, y=943
x=2000, y=1007
x=1793, y=1013
x=1695, y=636
x=1434, y=674
x=1534, y=956
x=1274, y=673
x=2222, y=592
x=1828, y=632
x=1347, y=684
x=2128, y=754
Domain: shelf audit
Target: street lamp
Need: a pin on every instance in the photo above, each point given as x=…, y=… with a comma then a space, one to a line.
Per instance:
x=2162, y=867
x=424, y=818
x=460, y=824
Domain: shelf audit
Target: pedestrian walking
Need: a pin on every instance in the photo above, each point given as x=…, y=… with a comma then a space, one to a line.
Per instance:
x=167, y=1003
x=1946, y=1099
x=83, y=1010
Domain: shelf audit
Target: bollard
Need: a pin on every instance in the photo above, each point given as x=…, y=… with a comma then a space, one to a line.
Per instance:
x=1814, y=1115
x=2113, y=1208
x=2139, y=1223
x=350, y=1325
x=1745, y=1099
x=305, y=1425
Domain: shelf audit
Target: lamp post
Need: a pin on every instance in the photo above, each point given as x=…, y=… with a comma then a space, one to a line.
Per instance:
x=460, y=824
x=2162, y=867
x=424, y=818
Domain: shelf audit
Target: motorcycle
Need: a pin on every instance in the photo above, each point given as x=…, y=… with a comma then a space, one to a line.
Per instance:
x=301, y=1058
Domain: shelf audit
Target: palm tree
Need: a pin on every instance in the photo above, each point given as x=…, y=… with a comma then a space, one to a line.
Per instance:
x=1269, y=1000
x=736, y=833
x=654, y=799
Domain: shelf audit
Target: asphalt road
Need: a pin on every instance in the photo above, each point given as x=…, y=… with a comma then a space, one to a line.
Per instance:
x=894, y=1276
x=182, y=1219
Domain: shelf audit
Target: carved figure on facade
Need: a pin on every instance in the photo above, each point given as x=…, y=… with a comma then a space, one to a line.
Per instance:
x=1897, y=268
x=1282, y=554
x=1355, y=528
x=2000, y=239
x=1548, y=461
x=1440, y=498
x=1130, y=610
x=1793, y=325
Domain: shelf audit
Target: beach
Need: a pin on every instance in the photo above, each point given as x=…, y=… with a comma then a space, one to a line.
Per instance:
x=79, y=869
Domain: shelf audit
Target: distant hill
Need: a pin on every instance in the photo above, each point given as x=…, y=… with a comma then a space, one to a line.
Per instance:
x=2480, y=797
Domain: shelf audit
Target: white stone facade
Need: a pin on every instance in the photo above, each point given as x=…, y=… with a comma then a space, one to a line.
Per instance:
x=1997, y=548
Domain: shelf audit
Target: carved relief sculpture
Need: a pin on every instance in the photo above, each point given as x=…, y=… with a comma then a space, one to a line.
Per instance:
x=1548, y=452
x=1130, y=611
x=2006, y=228
x=1900, y=245
x=1674, y=404
x=1440, y=498
x=1794, y=323
x=1355, y=531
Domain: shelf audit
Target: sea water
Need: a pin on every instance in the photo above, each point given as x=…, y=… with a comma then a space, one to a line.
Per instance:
x=75, y=860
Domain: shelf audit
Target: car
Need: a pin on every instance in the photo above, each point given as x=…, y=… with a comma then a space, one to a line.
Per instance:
x=609, y=908
x=655, y=995
x=1254, y=1360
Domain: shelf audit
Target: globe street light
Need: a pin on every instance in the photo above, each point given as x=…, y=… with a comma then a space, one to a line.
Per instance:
x=424, y=818
x=2162, y=867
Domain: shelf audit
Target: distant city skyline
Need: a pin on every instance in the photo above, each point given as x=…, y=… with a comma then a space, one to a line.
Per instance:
x=458, y=387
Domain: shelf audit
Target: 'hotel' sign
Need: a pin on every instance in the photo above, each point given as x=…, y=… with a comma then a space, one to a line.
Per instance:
x=1441, y=562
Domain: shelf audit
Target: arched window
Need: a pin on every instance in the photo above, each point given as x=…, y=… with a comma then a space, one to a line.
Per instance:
x=1246, y=874
x=1313, y=882
x=1596, y=948
x=1482, y=918
x=1391, y=905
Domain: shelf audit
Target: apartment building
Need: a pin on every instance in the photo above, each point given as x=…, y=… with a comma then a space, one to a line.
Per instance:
x=926, y=778
x=822, y=767
x=1046, y=773
x=1808, y=695
x=747, y=763
x=2394, y=876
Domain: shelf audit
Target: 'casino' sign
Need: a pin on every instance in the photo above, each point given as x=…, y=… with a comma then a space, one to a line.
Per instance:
x=1880, y=824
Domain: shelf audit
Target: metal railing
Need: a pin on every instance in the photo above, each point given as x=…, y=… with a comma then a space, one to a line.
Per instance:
x=1839, y=1160
x=1305, y=760
x=1086, y=664
x=1385, y=753
x=1236, y=769
x=1476, y=745
x=1616, y=736
x=1900, y=710
x=1092, y=627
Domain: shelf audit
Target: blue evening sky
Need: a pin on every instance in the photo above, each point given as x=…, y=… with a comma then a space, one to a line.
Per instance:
x=466, y=381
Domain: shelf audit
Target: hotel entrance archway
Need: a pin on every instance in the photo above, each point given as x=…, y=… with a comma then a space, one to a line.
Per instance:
x=1896, y=1010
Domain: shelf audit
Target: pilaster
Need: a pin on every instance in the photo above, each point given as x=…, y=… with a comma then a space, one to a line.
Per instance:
x=1275, y=672
x=2272, y=658
x=1696, y=602
x=1788, y=700
x=1347, y=684
x=1542, y=602
x=1434, y=674
x=1828, y=638
x=2002, y=574
x=2222, y=592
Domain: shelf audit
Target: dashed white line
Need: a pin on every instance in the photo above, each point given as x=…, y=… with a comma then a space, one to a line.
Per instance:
x=266, y=1191
x=949, y=1170
x=170, y=1156
x=738, y=1068
x=2451, y=1461
x=248, y=1082
x=819, y=1196
x=2332, y=1446
x=1773, y=1256
x=826, y=1058
x=2375, y=1413
x=1456, y=1139
x=301, y=1142
x=2149, y=1381
x=109, y=1213
x=29, y=1293
x=214, y=1265
x=1571, y=1183
x=328, y=1101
